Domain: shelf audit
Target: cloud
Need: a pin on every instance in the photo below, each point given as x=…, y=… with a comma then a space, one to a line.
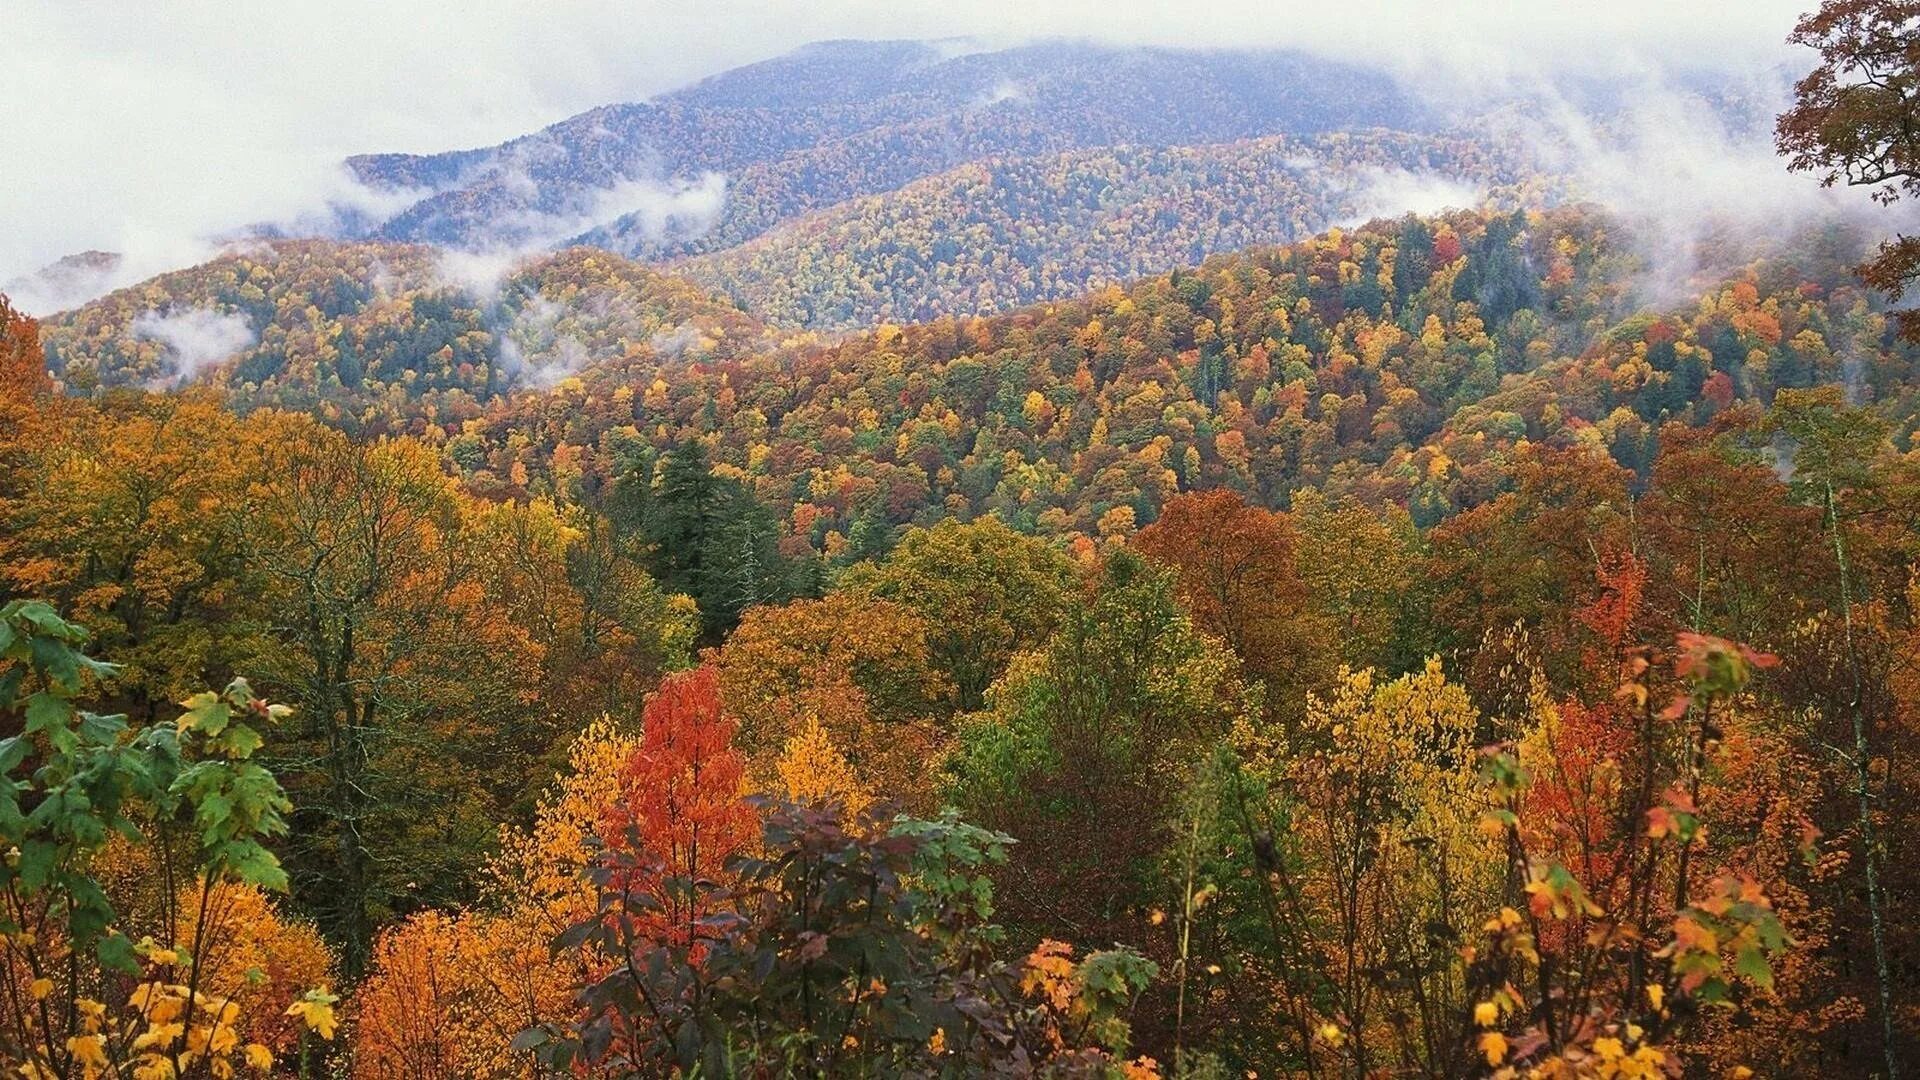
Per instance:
x=1388, y=192
x=154, y=127
x=70, y=282
x=641, y=213
x=195, y=338
x=533, y=350
x=1700, y=186
x=479, y=274
x=1002, y=91
x=676, y=342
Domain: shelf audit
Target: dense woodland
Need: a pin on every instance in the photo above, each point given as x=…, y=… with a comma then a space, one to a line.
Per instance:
x=1440, y=647
x=996, y=235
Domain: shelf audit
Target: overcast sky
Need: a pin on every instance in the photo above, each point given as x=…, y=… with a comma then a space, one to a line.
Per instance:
x=145, y=126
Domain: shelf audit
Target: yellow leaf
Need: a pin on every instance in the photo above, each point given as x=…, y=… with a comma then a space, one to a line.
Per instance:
x=89, y=1050
x=1486, y=1014
x=259, y=1057
x=1493, y=1046
x=315, y=1010
x=41, y=988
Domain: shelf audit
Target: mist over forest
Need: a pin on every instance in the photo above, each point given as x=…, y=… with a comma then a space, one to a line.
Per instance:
x=903, y=541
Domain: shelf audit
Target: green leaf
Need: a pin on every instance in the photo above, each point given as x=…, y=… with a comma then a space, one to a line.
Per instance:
x=12, y=752
x=241, y=741
x=36, y=862
x=46, y=711
x=255, y=865
x=102, y=730
x=213, y=811
x=1751, y=964
x=205, y=713
x=116, y=953
x=58, y=661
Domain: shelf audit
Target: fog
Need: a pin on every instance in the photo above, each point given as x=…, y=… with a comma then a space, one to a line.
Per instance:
x=155, y=129
x=195, y=340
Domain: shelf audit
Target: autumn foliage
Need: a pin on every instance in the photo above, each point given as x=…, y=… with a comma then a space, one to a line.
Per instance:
x=1414, y=650
x=683, y=815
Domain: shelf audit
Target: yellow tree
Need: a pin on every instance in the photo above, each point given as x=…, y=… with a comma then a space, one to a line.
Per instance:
x=1371, y=869
x=812, y=771
x=1359, y=566
x=157, y=830
x=126, y=527
x=447, y=993
x=858, y=667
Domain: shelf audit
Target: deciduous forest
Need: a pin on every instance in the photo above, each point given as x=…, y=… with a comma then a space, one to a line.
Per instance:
x=1081, y=604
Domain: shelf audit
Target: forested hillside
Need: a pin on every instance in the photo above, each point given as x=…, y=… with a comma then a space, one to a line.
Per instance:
x=1408, y=363
x=992, y=236
x=1045, y=568
x=1190, y=586
x=367, y=332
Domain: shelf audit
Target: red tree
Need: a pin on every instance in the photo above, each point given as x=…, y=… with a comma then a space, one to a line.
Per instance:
x=683, y=814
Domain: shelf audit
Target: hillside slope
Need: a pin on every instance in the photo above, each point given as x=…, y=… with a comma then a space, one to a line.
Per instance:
x=357, y=330
x=1413, y=362
x=842, y=119
x=995, y=235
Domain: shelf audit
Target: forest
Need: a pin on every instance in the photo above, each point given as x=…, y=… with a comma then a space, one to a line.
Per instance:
x=1438, y=646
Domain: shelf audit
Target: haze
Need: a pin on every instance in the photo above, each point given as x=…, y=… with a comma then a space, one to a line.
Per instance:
x=149, y=129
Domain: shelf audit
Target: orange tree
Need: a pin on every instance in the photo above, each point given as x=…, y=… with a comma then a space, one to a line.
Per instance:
x=856, y=666
x=447, y=991
x=684, y=812
x=1236, y=575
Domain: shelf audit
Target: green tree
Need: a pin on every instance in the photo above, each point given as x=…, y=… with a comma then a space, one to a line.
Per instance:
x=986, y=591
x=81, y=994
x=1082, y=745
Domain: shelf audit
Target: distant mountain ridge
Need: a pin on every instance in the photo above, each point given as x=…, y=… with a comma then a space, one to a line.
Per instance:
x=840, y=186
x=337, y=326
x=839, y=120
x=999, y=233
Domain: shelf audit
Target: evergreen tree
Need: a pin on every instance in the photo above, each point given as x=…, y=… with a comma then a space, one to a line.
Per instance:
x=677, y=520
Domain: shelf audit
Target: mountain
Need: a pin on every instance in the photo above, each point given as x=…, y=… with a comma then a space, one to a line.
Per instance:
x=346, y=326
x=350, y=329
x=1001, y=233
x=839, y=120
x=843, y=185
x=1412, y=362
x=1407, y=361
x=64, y=282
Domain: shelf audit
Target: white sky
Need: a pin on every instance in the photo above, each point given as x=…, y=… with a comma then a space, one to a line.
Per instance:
x=143, y=126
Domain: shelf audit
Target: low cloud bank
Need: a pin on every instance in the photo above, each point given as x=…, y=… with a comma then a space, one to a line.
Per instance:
x=196, y=339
